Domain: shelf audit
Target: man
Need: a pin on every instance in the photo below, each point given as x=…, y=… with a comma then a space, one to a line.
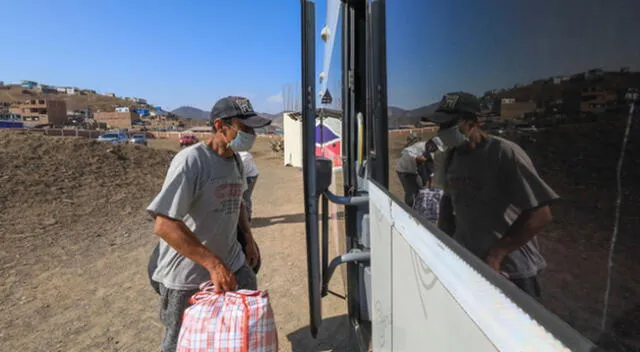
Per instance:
x=196, y=214
x=251, y=173
x=413, y=170
x=496, y=202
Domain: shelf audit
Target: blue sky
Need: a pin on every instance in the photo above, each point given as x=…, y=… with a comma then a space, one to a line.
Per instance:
x=192, y=53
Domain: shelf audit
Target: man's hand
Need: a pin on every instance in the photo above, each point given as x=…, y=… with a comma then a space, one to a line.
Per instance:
x=421, y=159
x=178, y=236
x=495, y=256
x=527, y=225
x=222, y=278
x=252, y=254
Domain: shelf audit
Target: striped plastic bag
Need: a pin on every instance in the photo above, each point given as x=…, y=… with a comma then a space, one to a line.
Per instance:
x=427, y=204
x=234, y=321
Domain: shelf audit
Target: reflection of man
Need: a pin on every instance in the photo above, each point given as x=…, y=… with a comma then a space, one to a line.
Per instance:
x=414, y=170
x=196, y=214
x=496, y=199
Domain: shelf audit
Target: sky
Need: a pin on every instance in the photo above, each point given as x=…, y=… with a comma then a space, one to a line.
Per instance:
x=193, y=53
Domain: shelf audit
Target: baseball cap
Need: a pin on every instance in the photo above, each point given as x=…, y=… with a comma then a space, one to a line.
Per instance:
x=453, y=105
x=240, y=108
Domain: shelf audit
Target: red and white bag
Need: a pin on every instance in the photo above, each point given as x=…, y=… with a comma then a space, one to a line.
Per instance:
x=233, y=321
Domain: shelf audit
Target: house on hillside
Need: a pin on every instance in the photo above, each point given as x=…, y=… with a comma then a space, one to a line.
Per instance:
x=28, y=84
x=560, y=79
x=510, y=108
x=113, y=95
x=43, y=88
x=119, y=120
x=42, y=111
x=597, y=100
x=594, y=74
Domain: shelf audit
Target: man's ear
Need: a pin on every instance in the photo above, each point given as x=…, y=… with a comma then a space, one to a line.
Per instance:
x=217, y=124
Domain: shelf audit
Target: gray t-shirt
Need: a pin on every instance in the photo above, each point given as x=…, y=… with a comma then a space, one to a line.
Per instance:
x=204, y=190
x=489, y=187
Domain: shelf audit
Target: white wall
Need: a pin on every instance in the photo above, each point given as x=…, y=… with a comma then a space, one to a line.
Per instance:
x=292, y=140
x=426, y=298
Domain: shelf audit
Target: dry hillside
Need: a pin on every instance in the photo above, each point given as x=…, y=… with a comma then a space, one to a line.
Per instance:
x=17, y=94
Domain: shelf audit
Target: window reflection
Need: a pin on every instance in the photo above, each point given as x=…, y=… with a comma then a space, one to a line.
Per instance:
x=559, y=79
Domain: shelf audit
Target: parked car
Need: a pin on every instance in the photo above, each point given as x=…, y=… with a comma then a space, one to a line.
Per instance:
x=138, y=138
x=114, y=137
x=188, y=140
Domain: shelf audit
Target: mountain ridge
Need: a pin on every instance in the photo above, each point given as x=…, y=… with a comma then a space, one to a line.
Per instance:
x=397, y=116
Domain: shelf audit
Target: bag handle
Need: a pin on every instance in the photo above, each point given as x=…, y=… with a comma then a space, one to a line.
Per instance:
x=207, y=287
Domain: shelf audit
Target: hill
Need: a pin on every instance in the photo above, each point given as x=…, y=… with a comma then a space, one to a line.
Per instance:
x=544, y=89
x=191, y=113
x=399, y=116
x=82, y=100
x=199, y=114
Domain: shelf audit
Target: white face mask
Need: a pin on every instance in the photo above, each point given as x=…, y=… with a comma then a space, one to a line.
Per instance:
x=452, y=137
x=243, y=141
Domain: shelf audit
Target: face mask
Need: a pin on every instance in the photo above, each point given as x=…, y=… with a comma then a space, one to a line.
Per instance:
x=452, y=137
x=243, y=141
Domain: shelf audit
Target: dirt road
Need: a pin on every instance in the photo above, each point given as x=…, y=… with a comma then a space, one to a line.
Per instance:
x=73, y=270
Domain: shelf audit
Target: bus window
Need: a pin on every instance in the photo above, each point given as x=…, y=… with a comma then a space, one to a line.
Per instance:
x=534, y=104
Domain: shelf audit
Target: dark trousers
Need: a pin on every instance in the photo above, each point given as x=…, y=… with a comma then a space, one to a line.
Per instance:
x=530, y=285
x=410, y=185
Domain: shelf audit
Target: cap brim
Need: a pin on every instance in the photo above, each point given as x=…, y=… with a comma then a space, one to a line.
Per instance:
x=441, y=117
x=256, y=121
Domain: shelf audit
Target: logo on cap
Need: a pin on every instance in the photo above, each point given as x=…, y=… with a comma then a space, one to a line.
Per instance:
x=244, y=105
x=449, y=102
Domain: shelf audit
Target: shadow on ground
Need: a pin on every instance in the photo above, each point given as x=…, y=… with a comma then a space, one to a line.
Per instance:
x=274, y=220
x=334, y=335
x=284, y=219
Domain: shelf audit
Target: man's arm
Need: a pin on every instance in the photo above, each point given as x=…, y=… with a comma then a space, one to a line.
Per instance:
x=526, y=190
x=527, y=225
x=446, y=219
x=251, y=251
x=243, y=222
x=179, y=237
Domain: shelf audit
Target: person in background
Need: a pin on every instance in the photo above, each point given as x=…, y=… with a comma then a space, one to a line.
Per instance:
x=197, y=213
x=414, y=169
x=497, y=203
x=251, y=173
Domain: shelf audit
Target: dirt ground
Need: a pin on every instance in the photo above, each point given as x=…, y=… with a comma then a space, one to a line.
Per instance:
x=76, y=240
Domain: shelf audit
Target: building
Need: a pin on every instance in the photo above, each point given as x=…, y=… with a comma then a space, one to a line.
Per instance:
x=5, y=113
x=113, y=95
x=28, y=84
x=43, y=88
x=42, y=111
x=597, y=100
x=560, y=79
x=594, y=74
x=509, y=108
x=119, y=120
x=122, y=109
x=66, y=90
